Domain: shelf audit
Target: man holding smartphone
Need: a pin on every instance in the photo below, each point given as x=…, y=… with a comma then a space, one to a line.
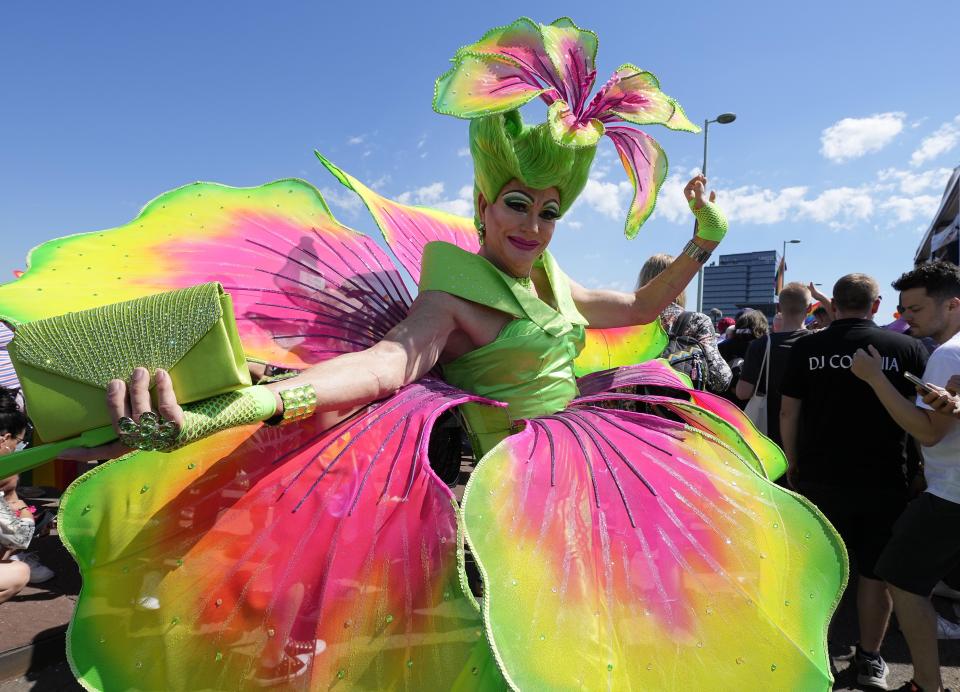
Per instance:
x=844, y=451
x=925, y=545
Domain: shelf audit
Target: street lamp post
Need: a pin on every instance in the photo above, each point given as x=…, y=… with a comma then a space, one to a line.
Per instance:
x=723, y=119
x=784, y=257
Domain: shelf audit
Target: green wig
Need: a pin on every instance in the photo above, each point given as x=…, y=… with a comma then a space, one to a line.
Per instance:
x=512, y=65
x=504, y=148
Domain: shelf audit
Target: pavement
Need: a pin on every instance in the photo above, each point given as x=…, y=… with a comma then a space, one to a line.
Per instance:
x=32, y=653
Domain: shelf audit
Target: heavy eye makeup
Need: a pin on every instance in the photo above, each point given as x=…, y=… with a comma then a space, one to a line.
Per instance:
x=517, y=201
x=550, y=211
x=520, y=202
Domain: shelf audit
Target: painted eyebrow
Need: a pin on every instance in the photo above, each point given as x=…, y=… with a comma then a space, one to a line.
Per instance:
x=518, y=192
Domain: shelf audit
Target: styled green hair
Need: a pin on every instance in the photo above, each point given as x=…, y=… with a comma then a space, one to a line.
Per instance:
x=505, y=148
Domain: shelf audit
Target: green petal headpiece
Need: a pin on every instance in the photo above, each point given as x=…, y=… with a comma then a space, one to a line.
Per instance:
x=514, y=64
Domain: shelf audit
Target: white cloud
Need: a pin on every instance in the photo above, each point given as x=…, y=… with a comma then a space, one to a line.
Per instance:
x=342, y=198
x=463, y=151
x=940, y=142
x=837, y=208
x=851, y=138
x=914, y=182
x=609, y=199
x=432, y=196
x=379, y=183
x=460, y=207
x=752, y=204
x=357, y=139
x=905, y=209
x=671, y=204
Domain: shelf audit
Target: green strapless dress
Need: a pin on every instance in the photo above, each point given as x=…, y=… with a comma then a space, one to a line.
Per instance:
x=529, y=366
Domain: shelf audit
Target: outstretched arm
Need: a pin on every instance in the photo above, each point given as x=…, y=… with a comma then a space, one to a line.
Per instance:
x=604, y=309
x=342, y=384
x=406, y=353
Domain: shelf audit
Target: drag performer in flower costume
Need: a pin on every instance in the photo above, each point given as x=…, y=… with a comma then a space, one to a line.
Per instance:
x=618, y=550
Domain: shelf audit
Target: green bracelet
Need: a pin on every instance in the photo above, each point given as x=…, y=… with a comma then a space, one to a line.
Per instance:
x=298, y=403
x=711, y=222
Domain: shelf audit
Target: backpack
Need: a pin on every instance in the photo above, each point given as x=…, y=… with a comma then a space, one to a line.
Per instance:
x=684, y=353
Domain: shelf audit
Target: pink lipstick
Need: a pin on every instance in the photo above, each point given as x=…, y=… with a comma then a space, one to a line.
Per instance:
x=525, y=245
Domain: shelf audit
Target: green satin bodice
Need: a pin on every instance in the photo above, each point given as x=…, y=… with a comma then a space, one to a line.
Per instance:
x=529, y=366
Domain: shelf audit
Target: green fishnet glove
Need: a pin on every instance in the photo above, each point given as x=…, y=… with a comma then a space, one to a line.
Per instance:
x=242, y=407
x=711, y=222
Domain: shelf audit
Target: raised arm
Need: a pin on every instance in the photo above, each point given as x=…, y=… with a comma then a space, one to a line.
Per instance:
x=604, y=309
x=820, y=297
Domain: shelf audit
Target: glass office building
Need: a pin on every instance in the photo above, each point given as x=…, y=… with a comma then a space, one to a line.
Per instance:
x=747, y=279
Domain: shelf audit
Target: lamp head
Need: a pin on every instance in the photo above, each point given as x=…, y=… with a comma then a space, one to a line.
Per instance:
x=725, y=118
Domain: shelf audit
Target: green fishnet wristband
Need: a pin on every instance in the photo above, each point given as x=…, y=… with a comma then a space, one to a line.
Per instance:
x=711, y=222
x=242, y=407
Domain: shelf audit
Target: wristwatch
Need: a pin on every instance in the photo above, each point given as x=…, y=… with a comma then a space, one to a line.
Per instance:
x=696, y=253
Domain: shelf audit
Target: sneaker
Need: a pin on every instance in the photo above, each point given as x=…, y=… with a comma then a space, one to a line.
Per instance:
x=871, y=670
x=944, y=591
x=947, y=629
x=39, y=573
x=281, y=674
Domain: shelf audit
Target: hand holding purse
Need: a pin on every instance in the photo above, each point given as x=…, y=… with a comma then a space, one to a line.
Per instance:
x=65, y=363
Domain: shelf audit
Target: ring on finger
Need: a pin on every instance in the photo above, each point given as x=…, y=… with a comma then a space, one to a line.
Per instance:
x=149, y=432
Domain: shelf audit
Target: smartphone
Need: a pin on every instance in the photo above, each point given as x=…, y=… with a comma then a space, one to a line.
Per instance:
x=918, y=382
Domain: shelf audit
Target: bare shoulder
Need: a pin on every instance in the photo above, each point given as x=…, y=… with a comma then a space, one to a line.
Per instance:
x=471, y=325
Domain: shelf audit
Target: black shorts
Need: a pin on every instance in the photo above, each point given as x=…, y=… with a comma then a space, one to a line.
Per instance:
x=925, y=546
x=864, y=518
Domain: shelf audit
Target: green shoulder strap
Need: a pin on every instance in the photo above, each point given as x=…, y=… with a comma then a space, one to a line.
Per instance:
x=466, y=275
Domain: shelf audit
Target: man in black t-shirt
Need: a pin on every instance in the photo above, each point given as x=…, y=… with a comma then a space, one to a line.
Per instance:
x=793, y=301
x=844, y=451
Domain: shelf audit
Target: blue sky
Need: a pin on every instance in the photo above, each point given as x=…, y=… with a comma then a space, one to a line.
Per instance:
x=848, y=117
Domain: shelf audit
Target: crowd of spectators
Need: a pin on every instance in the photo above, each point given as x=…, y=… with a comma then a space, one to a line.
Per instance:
x=878, y=454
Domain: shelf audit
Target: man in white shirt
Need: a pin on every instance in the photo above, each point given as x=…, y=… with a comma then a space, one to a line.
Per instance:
x=925, y=545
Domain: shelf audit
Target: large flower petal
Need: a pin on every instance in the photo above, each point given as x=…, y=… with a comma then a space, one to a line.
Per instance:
x=341, y=542
x=479, y=85
x=634, y=95
x=559, y=58
x=523, y=44
x=646, y=166
x=573, y=53
x=408, y=229
x=625, y=551
x=305, y=288
x=612, y=348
